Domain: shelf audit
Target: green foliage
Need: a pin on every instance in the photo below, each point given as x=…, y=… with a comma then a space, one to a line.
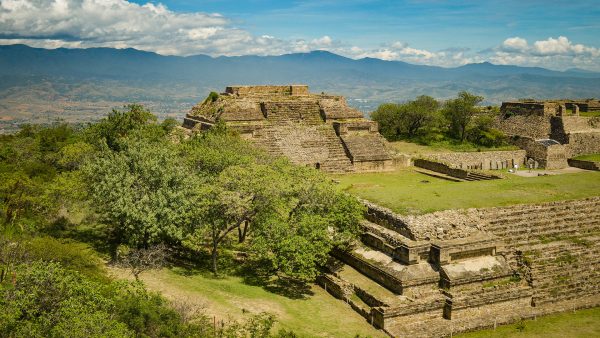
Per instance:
x=212, y=152
x=118, y=125
x=73, y=255
x=460, y=112
x=292, y=214
x=143, y=193
x=483, y=133
x=212, y=97
x=47, y=300
x=422, y=121
x=397, y=121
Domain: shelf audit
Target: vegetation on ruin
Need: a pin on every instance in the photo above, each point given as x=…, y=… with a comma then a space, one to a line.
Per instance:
x=590, y=157
x=582, y=323
x=457, y=123
x=131, y=191
x=409, y=192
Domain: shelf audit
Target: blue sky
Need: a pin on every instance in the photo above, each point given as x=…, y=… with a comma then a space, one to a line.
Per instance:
x=424, y=24
x=551, y=34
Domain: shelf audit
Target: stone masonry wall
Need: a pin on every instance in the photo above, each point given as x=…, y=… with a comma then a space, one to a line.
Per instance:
x=583, y=144
x=485, y=160
x=536, y=127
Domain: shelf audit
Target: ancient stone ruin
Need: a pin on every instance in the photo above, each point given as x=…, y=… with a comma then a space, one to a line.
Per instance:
x=460, y=270
x=552, y=132
x=317, y=130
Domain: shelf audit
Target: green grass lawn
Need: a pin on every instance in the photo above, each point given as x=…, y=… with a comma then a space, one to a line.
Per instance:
x=317, y=314
x=589, y=113
x=583, y=323
x=590, y=157
x=406, y=191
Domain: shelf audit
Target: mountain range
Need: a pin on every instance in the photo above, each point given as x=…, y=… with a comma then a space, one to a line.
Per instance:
x=78, y=85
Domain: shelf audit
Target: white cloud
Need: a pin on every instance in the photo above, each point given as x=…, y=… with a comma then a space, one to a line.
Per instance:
x=515, y=44
x=555, y=53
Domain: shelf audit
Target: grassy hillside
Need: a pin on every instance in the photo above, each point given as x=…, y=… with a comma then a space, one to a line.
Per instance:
x=312, y=314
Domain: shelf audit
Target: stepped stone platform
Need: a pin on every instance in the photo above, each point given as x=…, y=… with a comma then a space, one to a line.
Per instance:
x=316, y=130
x=460, y=270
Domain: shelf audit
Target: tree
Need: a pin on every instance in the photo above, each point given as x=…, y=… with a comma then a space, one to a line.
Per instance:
x=144, y=193
x=459, y=113
x=290, y=217
x=138, y=260
x=407, y=119
x=388, y=117
x=118, y=124
x=49, y=301
x=419, y=113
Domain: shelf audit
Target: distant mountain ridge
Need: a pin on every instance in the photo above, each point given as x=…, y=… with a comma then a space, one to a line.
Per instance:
x=52, y=78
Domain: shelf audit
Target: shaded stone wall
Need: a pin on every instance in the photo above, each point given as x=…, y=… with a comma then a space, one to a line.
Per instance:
x=587, y=165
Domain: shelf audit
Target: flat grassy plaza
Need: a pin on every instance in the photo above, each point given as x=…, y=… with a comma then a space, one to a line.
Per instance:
x=407, y=191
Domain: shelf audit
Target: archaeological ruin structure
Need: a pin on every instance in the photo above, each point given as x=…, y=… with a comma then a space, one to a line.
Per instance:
x=450, y=271
x=460, y=270
x=552, y=132
x=317, y=130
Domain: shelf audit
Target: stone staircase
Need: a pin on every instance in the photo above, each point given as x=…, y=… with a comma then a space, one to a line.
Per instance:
x=313, y=145
x=413, y=287
x=295, y=111
x=523, y=261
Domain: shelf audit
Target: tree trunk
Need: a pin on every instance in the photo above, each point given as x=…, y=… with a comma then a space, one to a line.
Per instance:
x=213, y=253
x=214, y=259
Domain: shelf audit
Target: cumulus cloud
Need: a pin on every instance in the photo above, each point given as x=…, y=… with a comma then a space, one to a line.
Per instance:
x=402, y=51
x=555, y=53
x=154, y=27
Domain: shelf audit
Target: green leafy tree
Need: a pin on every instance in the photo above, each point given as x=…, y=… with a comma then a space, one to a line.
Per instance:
x=289, y=216
x=388, y=117
x=407, y=119
x=118, y=125
x=460, y=112
x=143, y=193
x=49, y=301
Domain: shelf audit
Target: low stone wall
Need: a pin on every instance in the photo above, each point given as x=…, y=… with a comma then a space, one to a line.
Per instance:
x=529, y=108
x=587, y=165
x=454, y=172
x=484, y=160
x=440, y=168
